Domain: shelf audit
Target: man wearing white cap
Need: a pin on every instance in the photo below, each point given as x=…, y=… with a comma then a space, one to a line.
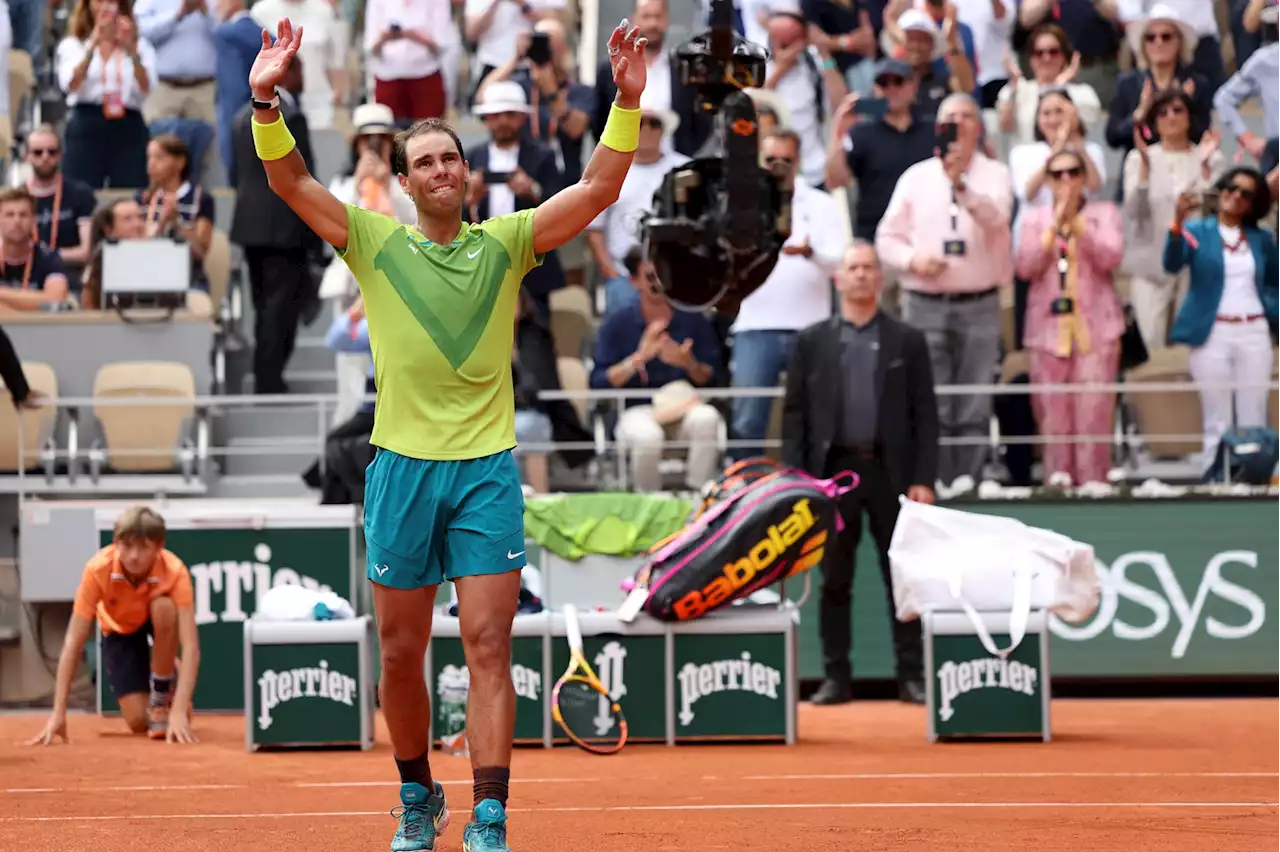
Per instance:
x=938, y=61
x=513, y=172
x=617, y=229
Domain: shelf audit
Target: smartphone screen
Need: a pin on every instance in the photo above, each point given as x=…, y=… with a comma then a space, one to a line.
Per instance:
x=947, y=134
x=539, y=52
x=871, y=107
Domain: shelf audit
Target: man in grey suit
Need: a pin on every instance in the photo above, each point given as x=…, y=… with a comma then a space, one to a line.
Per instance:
x=277, y=244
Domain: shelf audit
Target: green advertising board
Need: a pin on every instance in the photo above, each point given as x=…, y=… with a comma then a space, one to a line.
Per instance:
x=449, y=680
x=730, y=686
x=305, y=694
x=233, y=564
x=1189, y=590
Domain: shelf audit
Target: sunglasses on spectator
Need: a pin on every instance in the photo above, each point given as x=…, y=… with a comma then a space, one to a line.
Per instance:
x=1152, y=38
x=1244, y=192
x=1070, y=171
x=651, y=123
x=786, y=161
x=1046, y=52
x=1172, y=109
x=890, y=82
x=45, y=152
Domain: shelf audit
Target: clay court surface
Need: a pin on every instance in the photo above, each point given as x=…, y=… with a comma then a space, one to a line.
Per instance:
x=1195, y=775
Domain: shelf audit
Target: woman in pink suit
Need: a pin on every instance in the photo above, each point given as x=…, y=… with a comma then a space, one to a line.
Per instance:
x=1068, y=251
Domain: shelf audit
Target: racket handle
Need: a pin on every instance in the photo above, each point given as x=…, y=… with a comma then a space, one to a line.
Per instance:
x=572, y=631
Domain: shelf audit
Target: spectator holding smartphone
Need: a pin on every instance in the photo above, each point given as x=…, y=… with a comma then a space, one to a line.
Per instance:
x=1154, y=176
x=947, y=232
x=402, y=41
x=1230, y=311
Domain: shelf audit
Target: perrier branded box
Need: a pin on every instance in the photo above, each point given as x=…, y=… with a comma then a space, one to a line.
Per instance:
x=730, y=675
x=971, y=693
x=309, y=683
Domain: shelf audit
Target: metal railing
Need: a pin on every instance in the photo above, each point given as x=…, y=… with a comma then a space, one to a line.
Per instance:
x=83, y=460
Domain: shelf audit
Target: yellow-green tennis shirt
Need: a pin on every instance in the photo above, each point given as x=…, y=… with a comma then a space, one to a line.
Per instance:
x=441, y=326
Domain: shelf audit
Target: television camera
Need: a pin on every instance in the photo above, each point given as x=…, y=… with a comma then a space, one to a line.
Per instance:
x=719, y=221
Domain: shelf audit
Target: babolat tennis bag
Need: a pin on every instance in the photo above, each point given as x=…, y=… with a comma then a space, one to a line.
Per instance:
x=775, y=527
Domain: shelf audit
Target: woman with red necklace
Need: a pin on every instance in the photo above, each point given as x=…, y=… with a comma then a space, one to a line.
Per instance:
x=1230, y=311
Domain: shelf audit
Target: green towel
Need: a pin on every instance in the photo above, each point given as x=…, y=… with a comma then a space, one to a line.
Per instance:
x=621, y=524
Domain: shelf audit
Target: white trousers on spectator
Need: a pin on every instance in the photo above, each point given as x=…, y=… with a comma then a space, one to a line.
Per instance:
x=642, y=437
x=1234, y=353
x=1155, y=302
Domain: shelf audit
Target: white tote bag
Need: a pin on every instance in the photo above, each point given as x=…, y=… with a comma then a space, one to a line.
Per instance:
x=947, y=560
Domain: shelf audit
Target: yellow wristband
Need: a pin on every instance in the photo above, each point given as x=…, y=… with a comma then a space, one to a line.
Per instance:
x=272, y=141
x=622, y=130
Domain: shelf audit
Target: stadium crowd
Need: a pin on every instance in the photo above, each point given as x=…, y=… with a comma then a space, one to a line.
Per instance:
x=959, y=138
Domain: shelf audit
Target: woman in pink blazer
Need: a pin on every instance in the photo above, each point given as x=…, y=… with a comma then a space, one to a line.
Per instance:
x=1068, y=251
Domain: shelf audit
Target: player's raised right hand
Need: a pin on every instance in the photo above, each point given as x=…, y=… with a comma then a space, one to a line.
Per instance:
x=54, y=728
x=273, y=60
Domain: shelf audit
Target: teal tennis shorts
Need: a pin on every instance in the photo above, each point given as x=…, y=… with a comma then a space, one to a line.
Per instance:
x=430, y=521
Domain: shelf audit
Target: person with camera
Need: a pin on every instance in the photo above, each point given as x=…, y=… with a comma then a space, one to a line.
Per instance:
x=402, y=42
x=369, y=182
x=1230, y=311
x=1155, y=174
x=947, y=231
x=513, y=172
x=1069, y=250
x=559, y=106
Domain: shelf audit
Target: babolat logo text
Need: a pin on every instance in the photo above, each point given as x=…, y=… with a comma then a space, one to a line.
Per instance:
x=762, y=555
x=699, y=681
x=956, y=679
x=276, y=688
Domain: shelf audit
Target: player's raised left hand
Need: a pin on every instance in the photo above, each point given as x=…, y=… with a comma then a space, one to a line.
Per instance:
x=626, y=58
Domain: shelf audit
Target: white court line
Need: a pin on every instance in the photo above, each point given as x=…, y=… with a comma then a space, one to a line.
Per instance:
x=891, y=776
x=736, y=806
x=866, y=776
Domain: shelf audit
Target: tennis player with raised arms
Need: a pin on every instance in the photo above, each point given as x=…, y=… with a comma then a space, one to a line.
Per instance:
x=442, y=495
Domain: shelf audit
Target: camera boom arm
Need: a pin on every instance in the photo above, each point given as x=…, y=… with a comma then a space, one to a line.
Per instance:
x=720, y=220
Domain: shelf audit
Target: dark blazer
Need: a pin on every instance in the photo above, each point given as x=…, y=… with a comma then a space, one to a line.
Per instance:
x=904, y=383
x=538, y=162
x=695, y=125
x=261, y=218
x=1128, y=95
x=11, y=370
x=1200, y=309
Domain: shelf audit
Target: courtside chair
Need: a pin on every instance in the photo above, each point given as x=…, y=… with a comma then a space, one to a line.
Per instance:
x=571, y=321
x=1166, y=413
x=147, y=438
x=38, y=424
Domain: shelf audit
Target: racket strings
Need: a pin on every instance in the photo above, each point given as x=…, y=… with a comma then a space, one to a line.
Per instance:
x=588, y=714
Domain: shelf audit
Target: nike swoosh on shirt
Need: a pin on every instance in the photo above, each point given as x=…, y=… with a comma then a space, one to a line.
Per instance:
x=511, y=555
x=472, y=255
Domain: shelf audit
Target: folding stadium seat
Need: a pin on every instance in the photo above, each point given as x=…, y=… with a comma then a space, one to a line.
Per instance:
x=37, y=424
x=143, y=438
x=1166, y=412
x=217, y=267
x=22, y=80
x=571, y=320
x=574, y=377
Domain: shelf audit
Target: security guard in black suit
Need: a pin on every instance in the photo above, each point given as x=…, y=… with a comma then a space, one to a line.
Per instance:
x=860, y=397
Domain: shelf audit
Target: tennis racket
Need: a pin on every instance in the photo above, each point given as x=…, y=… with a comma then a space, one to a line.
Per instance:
x=580, y=703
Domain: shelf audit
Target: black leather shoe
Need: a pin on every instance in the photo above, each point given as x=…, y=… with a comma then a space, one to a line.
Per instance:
x=911, y=692
x=833, y=692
